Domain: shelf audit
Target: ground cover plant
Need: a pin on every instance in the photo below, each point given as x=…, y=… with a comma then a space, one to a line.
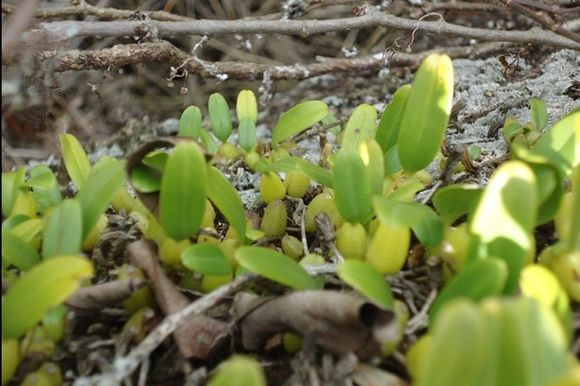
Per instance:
x=366, y=263
x=483, y=238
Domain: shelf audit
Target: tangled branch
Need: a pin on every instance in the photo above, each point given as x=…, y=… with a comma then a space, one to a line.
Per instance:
x=127, y=54
x=64, y=30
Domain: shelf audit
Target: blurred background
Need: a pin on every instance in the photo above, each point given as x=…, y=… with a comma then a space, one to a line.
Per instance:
x=97, y=105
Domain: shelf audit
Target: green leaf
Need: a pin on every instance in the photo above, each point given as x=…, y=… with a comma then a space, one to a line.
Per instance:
x=104, y=180
x=426, y=225
x=274, y=266
x=75, y=159
x=525, y=353
x=63, y=231
x=511, y=128
x=183, y=191
x=539, y=113
x=206, y=259
x=372, y=156
x=538, y=282
x=156, y=160
x=390, y=123
x=453, y=201
x=352, y=188
x=190, y=122
x=296, y=164
x=551, y=188
x=517, y=342
x=46, y=285
x=45, y=188
x=361, y=126
x=247, y=134
x=392, y=162
x=297, y=119
x=145, y=179
x=246, y=106
x=209, y=142
x=27, y=230
x=239, y=370
x=505, y=217
x=18, y=253
x=427, y=113
x=459, y=326
x=366, y=280
x=562, y=143
x=479, y=280
x=227, y=200
x=11, y=184
x=219, y=116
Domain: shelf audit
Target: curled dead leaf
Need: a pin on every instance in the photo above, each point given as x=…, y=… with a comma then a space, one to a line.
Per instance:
x=338, y=322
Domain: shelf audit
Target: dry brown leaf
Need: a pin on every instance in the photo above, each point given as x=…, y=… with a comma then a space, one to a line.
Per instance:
x=338, y=322
x=88, y=300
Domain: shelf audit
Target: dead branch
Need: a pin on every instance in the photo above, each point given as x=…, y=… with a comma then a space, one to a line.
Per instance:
x=85, y=9
x=64, y=30
x=201, y=337
x=164, y=52
x=339, y=322
x=541, y=18
x=124, y=366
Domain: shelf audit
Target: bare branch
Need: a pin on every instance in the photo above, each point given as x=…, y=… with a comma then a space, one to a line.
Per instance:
x=64, y=30
x=541, y=18
x=124, y=366
x=124, y=55
x=85, y=9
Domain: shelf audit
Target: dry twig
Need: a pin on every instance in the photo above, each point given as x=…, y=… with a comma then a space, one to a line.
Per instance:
x=64, y=30
x=164, y=52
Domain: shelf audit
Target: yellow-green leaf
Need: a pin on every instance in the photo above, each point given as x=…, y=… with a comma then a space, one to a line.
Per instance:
x=274, y=266
x=296, y=164
x=46, y=285
x=18, y=253
x=454, y=201
x=562, y=143
x=426, y=225
x=190, y=122
x=390, y=123
x=368, y=281
x=75, y=159
x=373, y=158
x=539, y=113
x=246, y=106
x=297, y=119
x=227, y=200
x=247, y=137
x=206, y=259
x=505, y=217
x=239, y=370
x=11, y=184
x=63, y=231
x=427, y=113
x=219, y=116
x=480, y=279
x=183, y=191
x=45, y=188
x=361, y=126
x=352, y=188
x=104, y=180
